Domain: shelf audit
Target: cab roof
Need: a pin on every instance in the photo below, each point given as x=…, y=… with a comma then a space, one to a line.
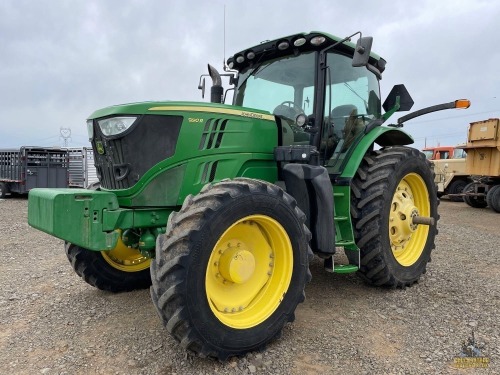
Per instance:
x=293, y=45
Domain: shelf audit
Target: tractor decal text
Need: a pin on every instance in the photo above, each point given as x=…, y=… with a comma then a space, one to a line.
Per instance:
x=228, y=111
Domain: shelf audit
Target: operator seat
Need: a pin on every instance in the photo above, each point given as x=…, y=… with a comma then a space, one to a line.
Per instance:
x=333, y=139
x=339, y=118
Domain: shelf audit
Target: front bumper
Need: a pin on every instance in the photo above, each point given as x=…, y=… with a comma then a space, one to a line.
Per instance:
x=88, y=218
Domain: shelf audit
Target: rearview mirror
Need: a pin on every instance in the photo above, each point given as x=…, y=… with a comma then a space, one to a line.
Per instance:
x=201, y=87
x=362, y=51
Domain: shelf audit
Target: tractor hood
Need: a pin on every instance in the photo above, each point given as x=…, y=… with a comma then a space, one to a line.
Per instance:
x=142, y=151
x=144, y=108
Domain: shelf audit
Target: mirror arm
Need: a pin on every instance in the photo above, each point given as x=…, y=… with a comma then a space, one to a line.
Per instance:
x=393, y=110
x=346, y=39
x=434, y=108
x=374, y=70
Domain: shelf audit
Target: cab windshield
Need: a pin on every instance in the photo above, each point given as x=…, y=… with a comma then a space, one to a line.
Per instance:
x=284, y=87
x=428, y=154
x=280, y=81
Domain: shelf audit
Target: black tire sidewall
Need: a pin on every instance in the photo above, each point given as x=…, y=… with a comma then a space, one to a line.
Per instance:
x=473, y=201
x=493, y=198
x=3, y=190
x=407, y=274
x=100, y=274
x=213, y=331
x=457, y=187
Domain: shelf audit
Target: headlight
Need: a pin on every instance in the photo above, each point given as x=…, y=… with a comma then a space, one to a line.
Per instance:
x=115, y=125
x=90, y=129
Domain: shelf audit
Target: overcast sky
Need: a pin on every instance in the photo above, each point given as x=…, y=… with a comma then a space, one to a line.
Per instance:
x=61, y=60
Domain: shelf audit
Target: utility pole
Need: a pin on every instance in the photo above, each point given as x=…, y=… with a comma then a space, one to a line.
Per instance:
x=65, y=135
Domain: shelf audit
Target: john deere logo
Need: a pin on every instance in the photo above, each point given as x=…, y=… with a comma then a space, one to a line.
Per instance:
x=100, y=148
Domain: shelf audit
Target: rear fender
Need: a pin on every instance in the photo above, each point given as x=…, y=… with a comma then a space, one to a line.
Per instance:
x=383, y=136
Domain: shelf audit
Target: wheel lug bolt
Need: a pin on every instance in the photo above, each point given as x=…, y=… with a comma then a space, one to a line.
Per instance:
x=226, y=309
x=271, y=264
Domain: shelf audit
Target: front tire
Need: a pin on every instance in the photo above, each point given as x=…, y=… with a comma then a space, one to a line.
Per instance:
x=232, y=267
x=118, y=270
x=392, y=186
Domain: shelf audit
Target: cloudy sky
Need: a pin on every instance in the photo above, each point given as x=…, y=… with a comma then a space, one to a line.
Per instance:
x=60, y=60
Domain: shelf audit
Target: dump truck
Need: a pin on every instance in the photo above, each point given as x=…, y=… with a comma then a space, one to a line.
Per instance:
x=483, y=164
x=451, y=176
x=221, y=207
x=28, y=167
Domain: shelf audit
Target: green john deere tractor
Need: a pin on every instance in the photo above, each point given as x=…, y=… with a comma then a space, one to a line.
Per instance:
x=221, y=207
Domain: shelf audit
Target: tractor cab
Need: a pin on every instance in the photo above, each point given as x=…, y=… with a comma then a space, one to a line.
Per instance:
x=320, y=93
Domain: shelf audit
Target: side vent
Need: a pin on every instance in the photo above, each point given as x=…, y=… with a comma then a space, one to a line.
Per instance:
x=212, y=134
x=208, y=174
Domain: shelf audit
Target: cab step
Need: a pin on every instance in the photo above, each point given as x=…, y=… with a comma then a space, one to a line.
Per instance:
x=339, y=268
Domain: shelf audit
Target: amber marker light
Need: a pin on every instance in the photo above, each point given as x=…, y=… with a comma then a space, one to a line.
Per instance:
x=462, y=103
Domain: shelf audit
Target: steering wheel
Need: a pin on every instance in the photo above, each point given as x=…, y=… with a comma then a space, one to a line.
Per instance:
x=291, y=104
x=288, y=109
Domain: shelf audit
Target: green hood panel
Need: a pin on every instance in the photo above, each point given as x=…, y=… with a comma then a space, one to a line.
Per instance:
x=185, y=108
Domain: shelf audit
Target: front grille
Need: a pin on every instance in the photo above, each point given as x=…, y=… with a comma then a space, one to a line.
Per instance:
x=125, y=159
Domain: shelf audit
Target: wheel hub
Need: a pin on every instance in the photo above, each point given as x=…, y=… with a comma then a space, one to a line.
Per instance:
x=237, y=265
x=403, y=211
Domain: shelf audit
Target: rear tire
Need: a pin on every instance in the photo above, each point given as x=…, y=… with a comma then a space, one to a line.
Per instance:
x=217, y=310
x=493, y=198
x=457, y=187
x=104, y=271
x=390, y=186
x=473, y=201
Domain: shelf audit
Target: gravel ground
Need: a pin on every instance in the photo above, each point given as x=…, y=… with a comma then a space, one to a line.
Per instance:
x=51, y=322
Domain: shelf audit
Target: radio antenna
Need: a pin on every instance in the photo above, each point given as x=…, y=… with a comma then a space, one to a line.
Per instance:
x=224, y=38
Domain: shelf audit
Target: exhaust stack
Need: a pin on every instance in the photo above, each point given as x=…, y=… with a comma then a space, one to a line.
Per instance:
x=216, y=91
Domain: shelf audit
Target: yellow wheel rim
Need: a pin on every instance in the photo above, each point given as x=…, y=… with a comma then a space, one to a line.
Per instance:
x=126, y=259
x=410, y=199
x=249, y=271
